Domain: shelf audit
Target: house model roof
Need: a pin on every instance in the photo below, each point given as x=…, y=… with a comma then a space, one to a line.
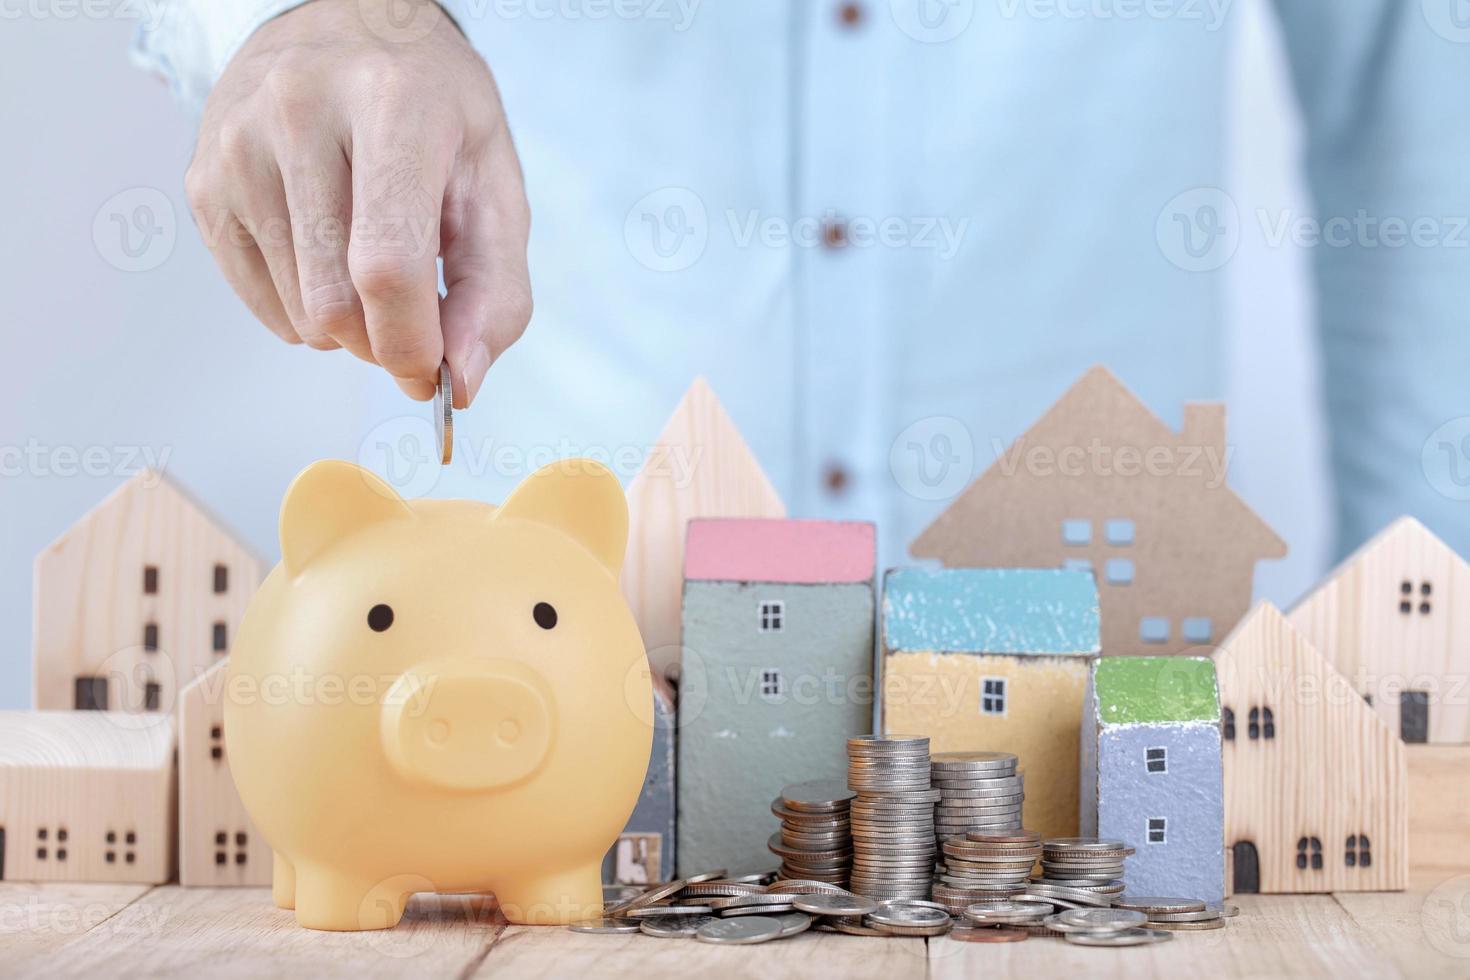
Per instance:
x=779, y=550
x=1153, y=690
x=990, y=610
x=85, y=740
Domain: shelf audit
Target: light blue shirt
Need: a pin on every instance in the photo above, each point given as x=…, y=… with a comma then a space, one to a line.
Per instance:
x=1026, y=187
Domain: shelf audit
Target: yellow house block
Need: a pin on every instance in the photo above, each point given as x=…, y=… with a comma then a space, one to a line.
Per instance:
x=939, y=695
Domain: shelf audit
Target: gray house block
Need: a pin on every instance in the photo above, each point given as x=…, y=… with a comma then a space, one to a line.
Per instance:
x=644, y=851
x=777, y=674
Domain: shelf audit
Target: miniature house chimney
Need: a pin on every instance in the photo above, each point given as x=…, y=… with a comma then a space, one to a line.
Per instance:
x=1204, y=426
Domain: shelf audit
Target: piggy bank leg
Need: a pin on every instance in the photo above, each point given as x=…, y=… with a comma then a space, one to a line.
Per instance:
x=283, y=882
x=328, y=899
x=555, y=898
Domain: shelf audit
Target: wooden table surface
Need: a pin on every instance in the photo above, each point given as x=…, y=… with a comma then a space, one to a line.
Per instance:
x=134, y=930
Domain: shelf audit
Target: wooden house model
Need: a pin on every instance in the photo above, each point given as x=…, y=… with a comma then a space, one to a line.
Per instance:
x=699, y=466
x=644, y=851
x=1316, y=785
x=137, y=599
x=86, y=796
x=1101, y=483
x=1151, y=772
x=995, y=659
x=218, y=843
x=777, y=674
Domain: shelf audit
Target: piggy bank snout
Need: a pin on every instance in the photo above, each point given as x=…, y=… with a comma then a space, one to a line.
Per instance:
x=468, y=724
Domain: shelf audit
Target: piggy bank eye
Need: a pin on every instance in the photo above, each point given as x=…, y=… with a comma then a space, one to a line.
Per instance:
x=545, y=615
x=380, y=617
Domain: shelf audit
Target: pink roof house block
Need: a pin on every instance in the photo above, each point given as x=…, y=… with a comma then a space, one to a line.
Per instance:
x=779, y=550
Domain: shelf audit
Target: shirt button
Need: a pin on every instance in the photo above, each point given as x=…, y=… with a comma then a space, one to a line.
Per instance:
x=835, y=479
x=850, y=15
x=834, y=233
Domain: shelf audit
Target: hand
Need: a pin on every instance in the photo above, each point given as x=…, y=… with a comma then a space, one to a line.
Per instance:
x=336, y=161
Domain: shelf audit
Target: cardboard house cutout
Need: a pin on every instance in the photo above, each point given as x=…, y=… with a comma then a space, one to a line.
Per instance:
x=777, y=674
x=1151, y=772
x=699, y=466
x=1394, y=618
x=1315, y=783
x=86, y=796
x=994, y=659
x=218, y=842
x=1101, y=483
x=138, y=598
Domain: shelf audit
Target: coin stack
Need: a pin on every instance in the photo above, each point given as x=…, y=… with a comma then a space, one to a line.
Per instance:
x=984, y=867
x=1090, y=864
x=815, y=839
x=1178, y=914
x=892, y=816
x=978, y=791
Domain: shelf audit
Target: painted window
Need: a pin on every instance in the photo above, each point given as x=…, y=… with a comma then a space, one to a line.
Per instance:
x=1153, y=629
x=150, y=579
x=1262, y=723
x=1227, y=724
x=221, y=579
x=1406, y=597
x=1076, y=531
x=1120, y=571
x=993, y=696
x=150, y=637
x=1157, y=830
x=1197, y=629
x=770, y=683
x=1119, y=531
x=772, y=615
x=1309, y=853
x=218, y=638
x=1156, y=760
x=152, y=695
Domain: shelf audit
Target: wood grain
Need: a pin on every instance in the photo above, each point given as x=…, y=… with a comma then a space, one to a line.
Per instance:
x=36, y=920
x=699, y=466
x=1439, y=807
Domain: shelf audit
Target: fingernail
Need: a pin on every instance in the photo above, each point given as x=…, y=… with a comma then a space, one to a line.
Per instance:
x=475, y=367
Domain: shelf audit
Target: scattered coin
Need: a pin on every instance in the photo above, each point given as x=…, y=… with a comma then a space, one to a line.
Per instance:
x=771, y=910
x=605, y=926
x=1188, y=926
x=1151, y=906
x=988, y=934
x=666, y=911
x=444, y=414
x=1129, y=937
x=832, y=904
x=681, y=927
x=740, y=931
x=1103, y=920
x=793, y=923
x=1200, y=915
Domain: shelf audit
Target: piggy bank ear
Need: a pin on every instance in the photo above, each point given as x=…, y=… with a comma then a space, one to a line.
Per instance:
x=582, y=499
x=328, y=501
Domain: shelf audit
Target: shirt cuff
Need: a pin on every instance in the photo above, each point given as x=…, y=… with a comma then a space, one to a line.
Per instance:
x=189, y=42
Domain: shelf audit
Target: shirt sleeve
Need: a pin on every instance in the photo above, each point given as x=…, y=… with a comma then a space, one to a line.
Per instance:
x=189, y=42
x=1382, y=86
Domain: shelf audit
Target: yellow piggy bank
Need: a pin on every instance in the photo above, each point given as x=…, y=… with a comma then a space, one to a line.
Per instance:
x=441, y=696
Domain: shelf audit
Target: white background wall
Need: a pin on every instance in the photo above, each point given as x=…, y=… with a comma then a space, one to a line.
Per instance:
x=169, y=362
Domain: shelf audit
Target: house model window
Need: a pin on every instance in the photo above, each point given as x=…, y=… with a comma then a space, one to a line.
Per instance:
x=772, y=616
x=1262, y=723
x=1119, y=532
x=221, y=579
x=1358, y=854
x=1120, y=571
x=1076, y=531
x=993, y=696
x=1406, y=598
x=1156, y=760
x=1309, y=854
x=770, y=683
x=150, y=579
x=1153, y=629
x=1197, y=629
x=1158, y=830
x=1227, y=724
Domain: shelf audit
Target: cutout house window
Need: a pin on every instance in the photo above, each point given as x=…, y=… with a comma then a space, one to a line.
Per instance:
x=221, y=579
x=1156, y=760
x=1424, y=592
x=1309, y=853
x=1076, y=531
x=1120, y=571
x=993, y=696
x=150, y=637
x=770, y=683
x=1157, y=830
x=150, y=579
x=1268, y=724
x=772, y=616
x=218, y=639
x=151, y=692
x=1119, y=531
x=1197, y=629
x=90, y=694
x=216, y=743
x=1153, y=629
x=1227, y=724
x=1414, y=716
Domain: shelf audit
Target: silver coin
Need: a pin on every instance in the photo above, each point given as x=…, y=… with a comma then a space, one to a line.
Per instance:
x=748, y=901
x=740, y=931
x=1100, y=919
x=828, y=904
x=907, y=915
x=1129, y=937
x=1200, y=915
x=680, y=927
x=793, y=923
x=704, y=876
x=771, y=910
x=802, y=886
x=665, y=911
x=973, y=760
x=657, y=894
x=604, y=926
x=1150, y=905
x=444, y=414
